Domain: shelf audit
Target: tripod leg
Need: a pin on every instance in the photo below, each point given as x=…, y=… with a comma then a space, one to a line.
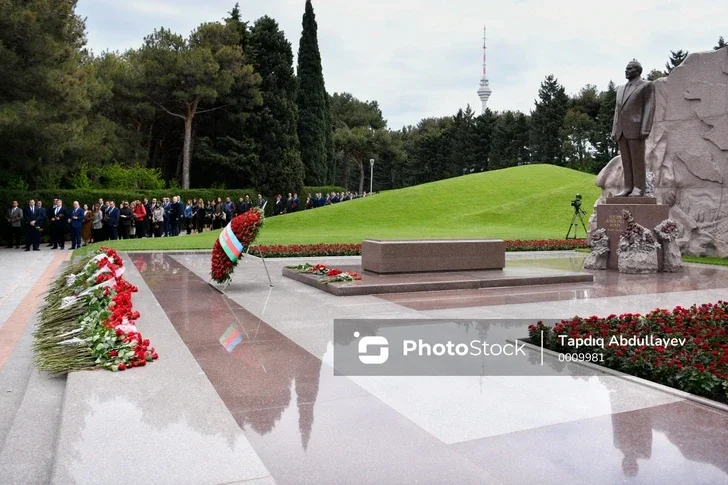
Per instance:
x=573, y=220
x=581, y=218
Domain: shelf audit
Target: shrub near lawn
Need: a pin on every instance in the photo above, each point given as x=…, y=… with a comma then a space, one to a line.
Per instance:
x=698, y=364
x=312, y=250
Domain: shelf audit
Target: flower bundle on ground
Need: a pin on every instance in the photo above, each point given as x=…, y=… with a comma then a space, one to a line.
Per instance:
x=686, y=348
x=246, y=228
x=323, y=250
x=87, y=321
x=330, y=275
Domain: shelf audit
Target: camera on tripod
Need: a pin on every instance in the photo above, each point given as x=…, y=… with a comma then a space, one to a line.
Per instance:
x=576, y=203
x=578, y=217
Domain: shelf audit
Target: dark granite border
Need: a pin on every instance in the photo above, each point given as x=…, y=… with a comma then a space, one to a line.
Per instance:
x=420, y=282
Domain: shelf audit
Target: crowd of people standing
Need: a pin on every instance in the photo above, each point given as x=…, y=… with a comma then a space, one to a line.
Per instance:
x=163, y=217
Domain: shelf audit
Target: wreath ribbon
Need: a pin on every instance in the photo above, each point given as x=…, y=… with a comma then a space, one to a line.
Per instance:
x=230, y=243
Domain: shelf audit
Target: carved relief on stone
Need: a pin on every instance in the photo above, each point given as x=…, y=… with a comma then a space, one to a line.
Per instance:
x=688, y=153
x=597, y=259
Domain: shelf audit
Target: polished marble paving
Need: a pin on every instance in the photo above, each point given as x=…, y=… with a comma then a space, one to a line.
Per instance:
x=268, y=354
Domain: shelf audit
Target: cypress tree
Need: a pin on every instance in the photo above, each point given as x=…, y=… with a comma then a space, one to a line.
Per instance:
x=311, y=101
x=275, y=122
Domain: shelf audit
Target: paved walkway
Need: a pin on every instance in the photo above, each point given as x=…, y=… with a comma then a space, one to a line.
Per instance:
x=24, y=277
x=309, y=426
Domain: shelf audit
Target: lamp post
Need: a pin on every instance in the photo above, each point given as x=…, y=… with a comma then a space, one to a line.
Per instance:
x=371, y=175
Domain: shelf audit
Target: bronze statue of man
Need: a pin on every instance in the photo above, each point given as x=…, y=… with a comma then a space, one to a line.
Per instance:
x=632, y=125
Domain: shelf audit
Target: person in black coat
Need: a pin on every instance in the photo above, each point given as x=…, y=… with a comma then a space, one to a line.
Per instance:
x=32, y=235
x=114, y=217
x=174, y=215
x=59, y=221
x=126, y=217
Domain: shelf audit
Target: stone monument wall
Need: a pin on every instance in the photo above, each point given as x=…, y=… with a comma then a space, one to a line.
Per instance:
x=688, y=152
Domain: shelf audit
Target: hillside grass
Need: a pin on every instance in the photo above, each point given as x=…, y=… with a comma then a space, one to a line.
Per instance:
x=528, y=202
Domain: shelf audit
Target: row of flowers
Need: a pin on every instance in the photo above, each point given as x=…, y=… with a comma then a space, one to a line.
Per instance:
x=88, y=320
x=329, y=275
x=320, y=250
x=686, y=348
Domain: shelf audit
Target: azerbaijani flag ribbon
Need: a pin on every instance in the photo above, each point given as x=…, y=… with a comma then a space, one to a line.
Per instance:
x=231, y=338
x=230, y=244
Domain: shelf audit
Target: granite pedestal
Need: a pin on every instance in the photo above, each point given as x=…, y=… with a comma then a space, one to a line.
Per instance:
x=424, y=256
x=646, y=212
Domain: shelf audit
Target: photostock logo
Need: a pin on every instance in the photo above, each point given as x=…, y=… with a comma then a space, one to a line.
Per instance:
x=380, y=343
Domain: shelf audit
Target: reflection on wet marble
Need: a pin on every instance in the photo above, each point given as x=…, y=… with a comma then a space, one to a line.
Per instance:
x=309, y=426
x=606, y=284
x=672, y=443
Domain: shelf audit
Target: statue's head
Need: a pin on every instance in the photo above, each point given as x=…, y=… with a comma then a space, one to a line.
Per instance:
x=633, y=70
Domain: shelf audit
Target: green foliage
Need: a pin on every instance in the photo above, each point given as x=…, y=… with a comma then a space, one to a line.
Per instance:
x=43, y=85
x=721, y=43
x=547, y=122
x=186, y=77
x=510, y=144
x=606, y=148
x=12, y=181
x=275, y=123
x=655, y=74
x=312, y=104
x=676, y=58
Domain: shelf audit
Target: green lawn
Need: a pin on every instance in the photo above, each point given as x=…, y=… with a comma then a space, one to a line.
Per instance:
x=529, y=202
x=706, y=260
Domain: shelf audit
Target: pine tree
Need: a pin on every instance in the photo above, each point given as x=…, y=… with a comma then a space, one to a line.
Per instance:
x=547, y=122
x=43, y=86
x=721, y=43
x=275, y=123
x=311, y=101
x=676, y=58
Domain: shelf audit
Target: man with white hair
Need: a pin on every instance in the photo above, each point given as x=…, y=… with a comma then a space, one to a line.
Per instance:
x=77, y=217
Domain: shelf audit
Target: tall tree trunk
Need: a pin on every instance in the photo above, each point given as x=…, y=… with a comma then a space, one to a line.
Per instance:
x=186, y=153
x=191, y=109
x=361, y=176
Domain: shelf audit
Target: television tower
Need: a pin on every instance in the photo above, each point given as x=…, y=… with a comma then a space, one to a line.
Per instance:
x=484, y=91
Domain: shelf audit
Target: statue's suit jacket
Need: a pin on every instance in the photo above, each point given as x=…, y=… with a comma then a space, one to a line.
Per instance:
x=635, y=110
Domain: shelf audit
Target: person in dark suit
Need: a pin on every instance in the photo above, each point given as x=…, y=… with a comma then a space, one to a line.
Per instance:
x=633, y=117
x=29, y=216
x=15, y=218
x=114, y=217
x=149, y=206
x=78, y=215
x=126, y=216
x=278, y=207
x=261, y=201
x=180, y=210
x=167, y=206
x=59, y=221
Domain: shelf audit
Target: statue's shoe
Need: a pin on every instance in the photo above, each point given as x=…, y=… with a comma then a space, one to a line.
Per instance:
x=637, y=193
x=624, y=193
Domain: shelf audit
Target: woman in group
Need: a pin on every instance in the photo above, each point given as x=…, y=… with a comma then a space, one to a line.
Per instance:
x=88, y=219
x=140, y=215
x=188, y=216
x=98, y=223
x=158, y=220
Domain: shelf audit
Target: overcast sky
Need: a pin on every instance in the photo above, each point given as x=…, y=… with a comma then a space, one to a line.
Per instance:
x=422, y=58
